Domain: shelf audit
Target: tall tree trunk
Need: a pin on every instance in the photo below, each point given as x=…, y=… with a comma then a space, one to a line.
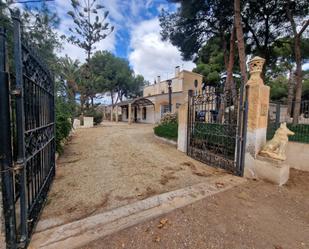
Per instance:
x=291, y=88
x=298, y=61
x=230, y=86
x=230, y=83
x=240, y=41
x=298, y=79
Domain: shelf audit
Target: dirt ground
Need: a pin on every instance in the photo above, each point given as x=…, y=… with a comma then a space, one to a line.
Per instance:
x=254, y=215
x=114, y=165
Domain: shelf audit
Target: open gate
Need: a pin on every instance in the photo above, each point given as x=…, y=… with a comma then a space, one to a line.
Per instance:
x=217, y=128
x=27, y=135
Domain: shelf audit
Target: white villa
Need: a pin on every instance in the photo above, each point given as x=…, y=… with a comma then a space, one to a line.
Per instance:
x=154, y=103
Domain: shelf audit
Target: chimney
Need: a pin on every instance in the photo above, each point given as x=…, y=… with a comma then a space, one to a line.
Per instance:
x=177, y=71
x=158, y=79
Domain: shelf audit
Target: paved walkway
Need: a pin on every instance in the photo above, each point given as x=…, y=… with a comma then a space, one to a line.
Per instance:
x=114, y=165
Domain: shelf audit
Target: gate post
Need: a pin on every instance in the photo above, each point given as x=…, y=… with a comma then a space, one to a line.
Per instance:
x=7, y=207
x=258, y=101
x=183, y=124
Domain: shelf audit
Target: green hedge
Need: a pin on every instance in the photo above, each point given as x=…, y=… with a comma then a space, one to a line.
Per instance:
x=301, y=132
x=167, y=130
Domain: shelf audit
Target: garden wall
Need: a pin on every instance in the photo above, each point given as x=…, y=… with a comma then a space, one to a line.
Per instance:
x=298, y=155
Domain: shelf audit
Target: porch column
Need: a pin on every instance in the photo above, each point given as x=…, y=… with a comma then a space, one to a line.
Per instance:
x=129, y=118
x=112, y=113
x=117, y=113
x=258, y=104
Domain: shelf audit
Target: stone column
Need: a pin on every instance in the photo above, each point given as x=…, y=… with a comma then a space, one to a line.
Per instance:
x=117, y=113
x=112, y=109
x=130, y=111
x=258, y=104
x=183, y=126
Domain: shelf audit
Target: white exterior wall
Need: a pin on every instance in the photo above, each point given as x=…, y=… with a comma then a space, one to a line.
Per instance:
x=150, y=115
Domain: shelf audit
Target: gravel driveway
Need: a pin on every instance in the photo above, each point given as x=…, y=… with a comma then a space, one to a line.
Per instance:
x=115, y=164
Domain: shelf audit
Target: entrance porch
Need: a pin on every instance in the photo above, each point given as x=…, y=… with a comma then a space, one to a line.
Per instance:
x=139, y=110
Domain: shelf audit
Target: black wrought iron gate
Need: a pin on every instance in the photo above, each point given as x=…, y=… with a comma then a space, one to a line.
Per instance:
x=27, y=128
x=217, y=128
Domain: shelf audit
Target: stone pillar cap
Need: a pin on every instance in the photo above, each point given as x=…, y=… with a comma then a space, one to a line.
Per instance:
x=256, y=64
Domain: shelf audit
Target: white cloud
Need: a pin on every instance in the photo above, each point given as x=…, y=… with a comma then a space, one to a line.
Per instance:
x=150, y=56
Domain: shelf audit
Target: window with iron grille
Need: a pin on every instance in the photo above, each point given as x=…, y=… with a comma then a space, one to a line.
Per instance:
x=165, y=109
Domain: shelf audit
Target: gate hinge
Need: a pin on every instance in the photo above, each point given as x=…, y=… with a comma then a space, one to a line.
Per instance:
x=16, y=92
x=17, y=166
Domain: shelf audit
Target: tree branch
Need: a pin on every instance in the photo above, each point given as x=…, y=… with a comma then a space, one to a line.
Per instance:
x=304, y=28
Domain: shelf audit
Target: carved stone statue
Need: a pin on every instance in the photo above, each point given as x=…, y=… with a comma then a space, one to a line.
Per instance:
x=276, y=147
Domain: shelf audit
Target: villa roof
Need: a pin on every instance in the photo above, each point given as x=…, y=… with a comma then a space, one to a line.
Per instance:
x=141, y=101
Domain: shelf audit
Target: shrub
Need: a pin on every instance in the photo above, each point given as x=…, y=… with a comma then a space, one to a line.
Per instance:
x=63, y=128
x=63, y=124
x=169, y=118
x=167, y=130
x=168, y=126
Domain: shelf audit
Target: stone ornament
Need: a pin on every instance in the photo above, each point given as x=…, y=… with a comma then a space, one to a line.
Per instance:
x=256, y=67
x=276, y=147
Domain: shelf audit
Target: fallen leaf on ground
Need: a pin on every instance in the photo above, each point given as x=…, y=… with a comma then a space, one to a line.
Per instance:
x=219, y=184
x=157, y=239
x=163, y=222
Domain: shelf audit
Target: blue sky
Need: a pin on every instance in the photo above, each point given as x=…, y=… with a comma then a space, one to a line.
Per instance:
x=136, y=36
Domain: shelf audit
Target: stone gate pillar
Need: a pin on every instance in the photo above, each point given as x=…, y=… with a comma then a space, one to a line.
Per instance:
x=258, y=104
x=183, y=125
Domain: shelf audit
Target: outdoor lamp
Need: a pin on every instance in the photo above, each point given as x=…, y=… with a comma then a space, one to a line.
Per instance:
x=169, y=82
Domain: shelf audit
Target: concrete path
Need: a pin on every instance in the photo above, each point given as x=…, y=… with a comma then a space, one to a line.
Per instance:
x=84, y=231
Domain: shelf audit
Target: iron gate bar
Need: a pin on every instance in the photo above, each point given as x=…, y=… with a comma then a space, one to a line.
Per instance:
x=6, y=147
x=20, y=128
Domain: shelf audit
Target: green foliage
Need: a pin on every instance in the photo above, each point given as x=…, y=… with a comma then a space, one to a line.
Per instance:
x=39, y=25
x=279, y=88
x=113, y=74
x=168, y=126
x=194, y=22
x=63, y=123
x=167, y=130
